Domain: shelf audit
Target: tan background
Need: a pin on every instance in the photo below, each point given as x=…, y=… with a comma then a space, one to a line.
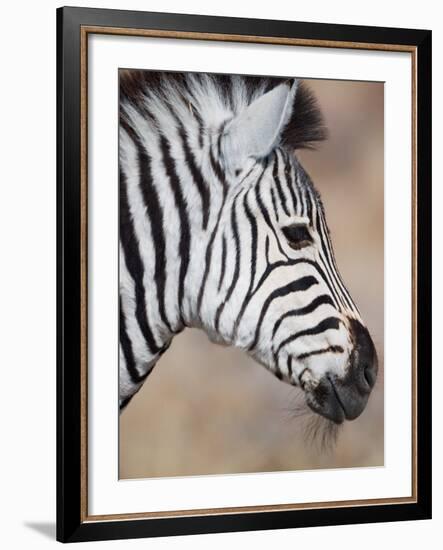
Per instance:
x=206, y=409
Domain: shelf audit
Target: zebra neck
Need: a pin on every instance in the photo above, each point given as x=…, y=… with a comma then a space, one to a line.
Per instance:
x=172, y=191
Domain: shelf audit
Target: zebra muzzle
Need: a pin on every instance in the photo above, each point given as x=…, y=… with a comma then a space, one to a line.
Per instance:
x=344, y=398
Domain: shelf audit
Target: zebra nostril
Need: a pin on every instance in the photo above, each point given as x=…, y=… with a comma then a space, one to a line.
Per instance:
x=370, y=374
x=364, y=358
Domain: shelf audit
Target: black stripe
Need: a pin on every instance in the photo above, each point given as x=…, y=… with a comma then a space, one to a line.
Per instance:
x=134, y=265
x=218, y=171
x=290, y=181
x=316, y=303
x=271, y=267
x=208, y=254
x=186, y=99
x=154, y=216
x=143, y=377
x=128, y=353
x=254, y=233
x=234, y=227
x=330, y=266
x=309, y=203
x=330, y=349
x=274, y=204
x=185, y=235
x=228, y=92
x=125, y=402
x=338, y=296
x=341, y=284
x=303, y=200
x=330, y=323
x=278, y=184
x=289, y=363
x=288, y=263
x=265, y=214
x=267, y=249
x=254, y=236
x=299, y=285
x=196, y=174
x=248, y=174
x=208, y=257
x=199, y=120
x=223, y=263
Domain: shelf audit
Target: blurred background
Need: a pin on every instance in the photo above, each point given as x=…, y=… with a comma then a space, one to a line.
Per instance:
x=206, y=409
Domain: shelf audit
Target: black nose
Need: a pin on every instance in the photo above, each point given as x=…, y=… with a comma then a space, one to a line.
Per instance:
x=340, y=398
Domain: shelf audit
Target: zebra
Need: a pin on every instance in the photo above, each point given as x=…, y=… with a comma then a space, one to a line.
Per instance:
x=222, y=229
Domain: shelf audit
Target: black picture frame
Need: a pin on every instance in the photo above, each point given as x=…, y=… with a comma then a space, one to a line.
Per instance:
x=72, y=525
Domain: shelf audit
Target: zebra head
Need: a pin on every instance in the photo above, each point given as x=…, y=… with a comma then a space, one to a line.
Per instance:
x=272, y=287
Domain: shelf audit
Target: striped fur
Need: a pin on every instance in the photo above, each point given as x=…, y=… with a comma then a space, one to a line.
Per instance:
x=208, y=198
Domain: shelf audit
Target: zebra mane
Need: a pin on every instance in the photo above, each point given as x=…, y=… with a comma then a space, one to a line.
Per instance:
x=210, y=99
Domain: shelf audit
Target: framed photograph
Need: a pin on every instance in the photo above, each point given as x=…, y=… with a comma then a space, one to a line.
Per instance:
x=244, y=274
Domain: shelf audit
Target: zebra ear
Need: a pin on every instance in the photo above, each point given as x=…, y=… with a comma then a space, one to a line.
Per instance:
x=256, y=131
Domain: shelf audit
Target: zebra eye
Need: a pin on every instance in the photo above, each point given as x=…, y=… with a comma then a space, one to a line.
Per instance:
x=298, y=236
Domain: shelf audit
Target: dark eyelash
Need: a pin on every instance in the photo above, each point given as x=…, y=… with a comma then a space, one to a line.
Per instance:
x=298, y=236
